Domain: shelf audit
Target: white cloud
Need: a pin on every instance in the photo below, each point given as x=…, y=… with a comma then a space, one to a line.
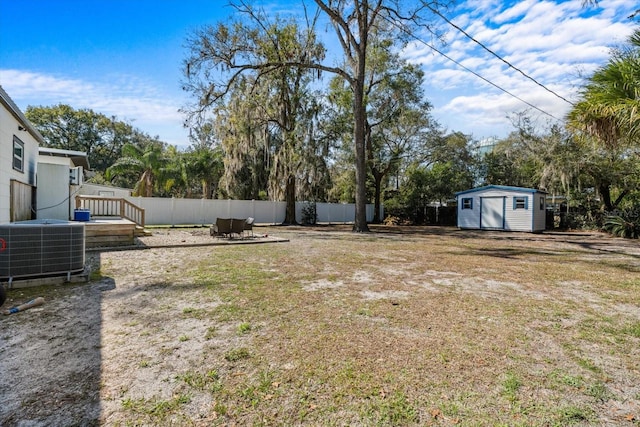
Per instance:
x=557, y=43
x=126, y=97
x=513, y=12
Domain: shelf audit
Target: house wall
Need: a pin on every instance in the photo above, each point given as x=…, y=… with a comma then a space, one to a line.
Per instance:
x=530, y=219
x=8, y=129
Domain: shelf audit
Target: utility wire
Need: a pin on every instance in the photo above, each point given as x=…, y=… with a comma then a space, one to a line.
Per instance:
x=498, y=56
x=56, y=205
x=410, y=34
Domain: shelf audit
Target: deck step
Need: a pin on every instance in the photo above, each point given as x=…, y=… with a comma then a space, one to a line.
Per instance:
x=108, y=233
x=142, y=232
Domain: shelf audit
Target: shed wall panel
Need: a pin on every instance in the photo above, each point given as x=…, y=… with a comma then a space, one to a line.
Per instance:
x=518, y=219
x=469, y=218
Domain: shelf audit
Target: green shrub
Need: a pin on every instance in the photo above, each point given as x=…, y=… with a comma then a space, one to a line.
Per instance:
x=623, y=224
x=309, y=213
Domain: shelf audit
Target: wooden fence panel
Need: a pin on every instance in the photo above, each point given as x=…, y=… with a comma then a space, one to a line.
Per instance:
x=21, y=201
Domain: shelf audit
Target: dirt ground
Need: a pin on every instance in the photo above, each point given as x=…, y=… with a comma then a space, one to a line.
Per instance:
x=77, y=359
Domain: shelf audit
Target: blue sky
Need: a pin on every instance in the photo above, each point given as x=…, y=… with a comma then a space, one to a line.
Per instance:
x=123, y=57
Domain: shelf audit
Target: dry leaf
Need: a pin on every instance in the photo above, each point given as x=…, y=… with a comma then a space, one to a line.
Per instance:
x=435, y=413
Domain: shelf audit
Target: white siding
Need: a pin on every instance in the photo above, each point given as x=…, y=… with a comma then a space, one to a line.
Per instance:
x=518, y=219
x=469, y=218
x=532, y=218
x=8, y=128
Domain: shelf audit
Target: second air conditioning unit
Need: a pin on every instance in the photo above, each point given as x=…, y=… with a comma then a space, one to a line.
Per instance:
x=76, y=176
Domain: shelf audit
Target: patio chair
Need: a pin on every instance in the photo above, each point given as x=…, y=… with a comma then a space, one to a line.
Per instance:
x=248, y=226
x=221, y=228
x=237, y=227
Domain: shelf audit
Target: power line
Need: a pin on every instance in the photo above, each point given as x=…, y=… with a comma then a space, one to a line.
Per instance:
x=498, y=56
x=489, y=81
x=470, y=70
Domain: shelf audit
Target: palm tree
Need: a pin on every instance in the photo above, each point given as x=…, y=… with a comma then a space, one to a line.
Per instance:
x=610, y=105
x=205, y=166
x=147, y=163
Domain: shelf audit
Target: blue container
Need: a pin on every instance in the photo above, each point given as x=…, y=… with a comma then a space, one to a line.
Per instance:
x=81, y=215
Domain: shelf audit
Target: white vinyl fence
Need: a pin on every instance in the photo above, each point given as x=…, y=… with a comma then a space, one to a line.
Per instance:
x=164, y=211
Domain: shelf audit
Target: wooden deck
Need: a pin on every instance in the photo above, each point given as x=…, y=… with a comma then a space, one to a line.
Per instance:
x=110, y=232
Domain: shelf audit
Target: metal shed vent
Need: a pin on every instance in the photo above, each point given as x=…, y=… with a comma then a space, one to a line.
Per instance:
x=41, y=248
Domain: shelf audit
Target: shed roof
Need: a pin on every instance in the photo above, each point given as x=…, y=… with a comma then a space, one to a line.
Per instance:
x=503, y=188
x=79, y=158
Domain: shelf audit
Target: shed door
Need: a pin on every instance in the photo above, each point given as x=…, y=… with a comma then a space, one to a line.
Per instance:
x=492, y=213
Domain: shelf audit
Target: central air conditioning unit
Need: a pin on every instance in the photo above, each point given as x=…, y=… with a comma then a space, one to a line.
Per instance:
x=76, y=176
x=41, y=248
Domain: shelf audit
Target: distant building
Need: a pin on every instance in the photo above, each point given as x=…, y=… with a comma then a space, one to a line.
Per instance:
x=486, y=146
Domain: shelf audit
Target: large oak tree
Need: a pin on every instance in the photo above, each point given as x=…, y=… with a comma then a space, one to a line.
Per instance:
x=352, y=20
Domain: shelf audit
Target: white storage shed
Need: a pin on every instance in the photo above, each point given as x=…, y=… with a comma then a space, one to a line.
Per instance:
x=60, y=176
x=499, y=207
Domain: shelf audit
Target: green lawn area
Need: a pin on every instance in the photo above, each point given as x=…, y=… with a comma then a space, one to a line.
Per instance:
x=403, y=326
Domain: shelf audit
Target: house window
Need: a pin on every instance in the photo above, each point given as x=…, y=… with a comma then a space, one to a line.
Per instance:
x=520, y=202
x=467, y=203
x=541, y=203
x=18, y=154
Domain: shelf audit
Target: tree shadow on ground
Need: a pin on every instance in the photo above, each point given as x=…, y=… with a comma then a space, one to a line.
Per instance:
x=572, y=242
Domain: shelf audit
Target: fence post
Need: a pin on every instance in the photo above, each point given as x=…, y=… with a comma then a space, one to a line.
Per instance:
x=173, y=207
x=273, y=211
x=202, y=211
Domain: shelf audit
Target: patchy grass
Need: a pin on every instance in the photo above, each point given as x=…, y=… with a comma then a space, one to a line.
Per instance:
x=244, y=328
x=155, y=409
x=434, y=327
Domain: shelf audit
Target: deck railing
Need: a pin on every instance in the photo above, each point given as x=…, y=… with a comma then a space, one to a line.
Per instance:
x=111, y=206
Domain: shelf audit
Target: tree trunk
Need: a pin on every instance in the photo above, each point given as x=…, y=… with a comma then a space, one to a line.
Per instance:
x=290, y=198
x=206, y=189
x=605, y=196
x=360, y=117
x=360, y=223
